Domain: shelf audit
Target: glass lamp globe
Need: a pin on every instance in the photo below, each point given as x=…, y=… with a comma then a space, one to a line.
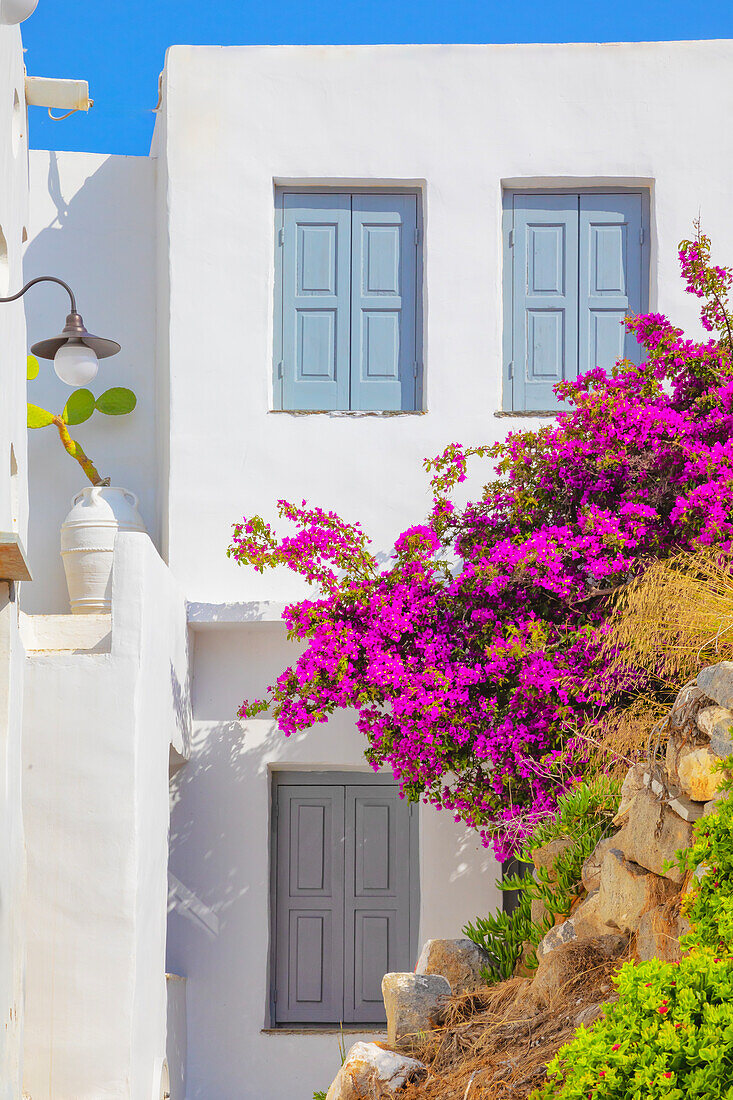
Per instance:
x=75, y=364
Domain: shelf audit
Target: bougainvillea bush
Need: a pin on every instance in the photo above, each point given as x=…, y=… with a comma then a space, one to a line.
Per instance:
x=474, y=657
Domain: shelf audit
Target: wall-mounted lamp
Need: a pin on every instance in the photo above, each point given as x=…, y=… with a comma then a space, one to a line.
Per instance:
x=75, y=352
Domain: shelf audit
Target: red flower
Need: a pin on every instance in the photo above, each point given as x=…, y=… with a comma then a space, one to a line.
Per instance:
x=616, y=1046
x=663, y=1009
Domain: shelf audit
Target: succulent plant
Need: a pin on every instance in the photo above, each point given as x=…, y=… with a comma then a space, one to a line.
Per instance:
x=81, y=405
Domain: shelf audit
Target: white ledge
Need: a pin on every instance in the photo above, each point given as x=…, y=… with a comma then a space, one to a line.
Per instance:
x=203, y=616
x=63, y=634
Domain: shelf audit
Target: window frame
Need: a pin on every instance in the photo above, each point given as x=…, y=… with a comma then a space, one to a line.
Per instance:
x=508, y=407
x=323, y=776
x=276, y=388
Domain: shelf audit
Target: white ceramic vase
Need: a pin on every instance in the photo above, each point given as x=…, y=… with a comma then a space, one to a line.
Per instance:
x=88, y=541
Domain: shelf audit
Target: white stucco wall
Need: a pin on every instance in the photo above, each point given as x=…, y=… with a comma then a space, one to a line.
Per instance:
x=457, y=121
x=97, y=731
x=13, y=517
x=92, y=224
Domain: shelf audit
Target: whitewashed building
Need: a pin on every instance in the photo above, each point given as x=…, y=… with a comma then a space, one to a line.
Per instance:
x=335, y=261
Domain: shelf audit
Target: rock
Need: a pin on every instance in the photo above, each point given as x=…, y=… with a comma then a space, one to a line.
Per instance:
x=583, y=924
x=717, y=682
x=545, y=855
x=652, y=835
x=459, y=961
x=696, y=776
x=672, y=796
x=591, y=873
x=628, y=890
x=413, y=1003
x=713, y=805
x=689, y=700
x=557, y=971
x=716, y=723
x=370, y=1070
x=632, y=784
x=658, y=934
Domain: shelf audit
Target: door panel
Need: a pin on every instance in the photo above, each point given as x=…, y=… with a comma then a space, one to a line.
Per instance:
x=377, y=897
x=309, y=918
x=610, y=284
x=316, y=282
x=383, y=302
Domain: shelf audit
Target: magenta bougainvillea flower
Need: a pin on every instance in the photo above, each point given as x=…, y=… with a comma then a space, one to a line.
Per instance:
x=472, y=657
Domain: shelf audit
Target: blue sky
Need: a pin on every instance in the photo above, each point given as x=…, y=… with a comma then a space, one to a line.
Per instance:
x=119, y=45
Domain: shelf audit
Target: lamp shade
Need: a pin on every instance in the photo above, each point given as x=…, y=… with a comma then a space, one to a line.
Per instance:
x=74, y=332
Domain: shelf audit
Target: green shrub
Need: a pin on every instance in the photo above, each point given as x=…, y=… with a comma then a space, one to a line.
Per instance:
x=670, y=1034
x=709, y=903
x=584, y=815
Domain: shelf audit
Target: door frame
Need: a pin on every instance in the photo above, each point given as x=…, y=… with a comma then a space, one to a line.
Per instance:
x=507, y=262
x=288, y=775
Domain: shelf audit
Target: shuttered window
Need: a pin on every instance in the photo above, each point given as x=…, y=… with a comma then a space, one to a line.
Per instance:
x=576, y=265
x=346, y=302
x=344, y=906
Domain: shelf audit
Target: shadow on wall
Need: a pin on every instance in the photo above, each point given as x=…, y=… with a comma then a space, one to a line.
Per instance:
x=92, y=224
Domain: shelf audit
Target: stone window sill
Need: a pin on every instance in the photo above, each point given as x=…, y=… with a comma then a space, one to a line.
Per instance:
x=544, y=414
x=350, y=413
x=377, y=1030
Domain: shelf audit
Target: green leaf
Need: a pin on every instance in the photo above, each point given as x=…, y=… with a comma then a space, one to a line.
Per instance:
x=31, y=368
x=79, y=407
x=38, y=417
x=117, y=401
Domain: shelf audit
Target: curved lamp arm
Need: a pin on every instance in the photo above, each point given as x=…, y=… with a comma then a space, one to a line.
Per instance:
x=73, y=332
x=43, y=279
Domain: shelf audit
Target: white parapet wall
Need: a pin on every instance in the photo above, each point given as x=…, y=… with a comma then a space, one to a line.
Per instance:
x=11, y=847
x=99, y=723
x=13, y=521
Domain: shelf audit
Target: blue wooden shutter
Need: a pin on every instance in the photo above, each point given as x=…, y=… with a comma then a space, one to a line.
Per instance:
x=545, y=298
x=610, y=277
x=383, y=302
x=316, y=280
x=378, y=890
x=309, y=918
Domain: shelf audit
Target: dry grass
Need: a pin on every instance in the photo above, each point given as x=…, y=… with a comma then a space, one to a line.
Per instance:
x=492, y=1046
x=676, y=618
x=618, y=738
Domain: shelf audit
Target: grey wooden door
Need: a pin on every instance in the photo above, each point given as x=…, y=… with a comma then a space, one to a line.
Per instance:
x=345, y=882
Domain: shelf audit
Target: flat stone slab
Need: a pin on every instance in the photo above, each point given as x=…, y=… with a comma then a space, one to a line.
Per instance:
x=679, y=803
